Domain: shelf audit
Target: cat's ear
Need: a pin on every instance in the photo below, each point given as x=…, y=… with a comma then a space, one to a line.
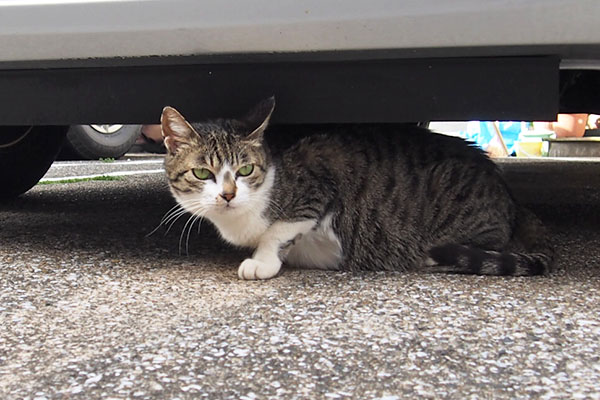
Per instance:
x=176, y=130
x=258, y=118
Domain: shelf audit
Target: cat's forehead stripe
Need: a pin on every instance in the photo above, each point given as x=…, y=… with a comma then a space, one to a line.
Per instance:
x=215, y=160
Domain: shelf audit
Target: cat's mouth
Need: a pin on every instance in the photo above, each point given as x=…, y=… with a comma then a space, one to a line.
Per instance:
x=225, y=207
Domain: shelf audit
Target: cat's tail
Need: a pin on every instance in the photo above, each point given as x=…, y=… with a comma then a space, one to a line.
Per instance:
x=536, y=259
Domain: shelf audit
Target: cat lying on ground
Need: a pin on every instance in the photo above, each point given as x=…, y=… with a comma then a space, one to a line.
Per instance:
x=362, y=197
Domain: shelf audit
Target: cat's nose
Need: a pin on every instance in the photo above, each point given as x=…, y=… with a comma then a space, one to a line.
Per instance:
x=227, y=196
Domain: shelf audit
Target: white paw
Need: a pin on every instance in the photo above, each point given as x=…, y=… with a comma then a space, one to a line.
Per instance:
x=255, y=269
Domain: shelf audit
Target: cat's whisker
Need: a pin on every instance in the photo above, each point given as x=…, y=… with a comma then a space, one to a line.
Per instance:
x=174, y=212
x=200, y=223
x=191, y=204
x=174, y=220
x=176, y=208
x=198, y=217
x=183, y=211
x=190, y=219
x=154, y=230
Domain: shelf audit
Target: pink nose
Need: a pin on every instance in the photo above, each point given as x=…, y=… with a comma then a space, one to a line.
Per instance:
x=227, y=196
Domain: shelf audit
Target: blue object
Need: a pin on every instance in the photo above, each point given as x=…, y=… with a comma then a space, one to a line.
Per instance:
x=482, y=132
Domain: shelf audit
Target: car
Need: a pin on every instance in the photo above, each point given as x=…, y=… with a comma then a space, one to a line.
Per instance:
x=69, y=62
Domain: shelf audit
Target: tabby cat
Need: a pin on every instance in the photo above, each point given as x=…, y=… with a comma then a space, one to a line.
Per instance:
x=362, y=197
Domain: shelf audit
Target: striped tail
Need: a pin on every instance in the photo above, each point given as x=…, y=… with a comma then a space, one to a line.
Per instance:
x=536, y=259
x=460, y=259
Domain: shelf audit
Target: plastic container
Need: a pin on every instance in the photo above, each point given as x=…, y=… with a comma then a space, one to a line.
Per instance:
x=533, y=143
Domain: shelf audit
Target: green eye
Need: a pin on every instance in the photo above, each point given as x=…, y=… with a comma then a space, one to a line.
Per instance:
x=246, y=170
x=202, y=173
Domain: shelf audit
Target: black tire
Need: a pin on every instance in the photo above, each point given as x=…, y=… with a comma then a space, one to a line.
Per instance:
x=26, y=153
x=86, y=143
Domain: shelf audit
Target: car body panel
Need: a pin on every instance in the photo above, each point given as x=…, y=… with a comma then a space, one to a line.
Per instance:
x=391, y=90
x=337, y=61
x=81, y=29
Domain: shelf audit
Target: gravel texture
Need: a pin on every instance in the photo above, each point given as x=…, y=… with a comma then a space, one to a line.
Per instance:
x=92, y=308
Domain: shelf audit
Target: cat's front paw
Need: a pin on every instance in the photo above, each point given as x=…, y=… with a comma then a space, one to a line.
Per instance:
x=255, y=269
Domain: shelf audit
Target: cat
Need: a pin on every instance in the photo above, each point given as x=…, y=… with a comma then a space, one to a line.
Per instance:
x=360, y=197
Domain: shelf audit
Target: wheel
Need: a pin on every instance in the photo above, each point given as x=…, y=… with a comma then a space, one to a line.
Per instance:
x=26, y=153
x=91, y=142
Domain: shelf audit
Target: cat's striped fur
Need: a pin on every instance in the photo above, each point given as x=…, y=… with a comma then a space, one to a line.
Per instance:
x=357, y=197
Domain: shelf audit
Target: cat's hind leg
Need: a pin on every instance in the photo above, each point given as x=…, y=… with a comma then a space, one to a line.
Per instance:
x=266, y=260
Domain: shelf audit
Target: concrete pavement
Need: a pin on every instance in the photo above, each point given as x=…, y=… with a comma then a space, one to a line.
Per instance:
x=92, y=308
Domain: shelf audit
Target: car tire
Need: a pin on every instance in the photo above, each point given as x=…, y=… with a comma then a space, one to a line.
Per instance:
x=26, y=153
x=91, y=142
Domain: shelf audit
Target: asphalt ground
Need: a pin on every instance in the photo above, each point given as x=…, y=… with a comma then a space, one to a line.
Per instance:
x=91, y=307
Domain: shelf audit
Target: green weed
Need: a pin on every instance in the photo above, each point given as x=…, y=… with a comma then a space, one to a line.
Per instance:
x=76, y=180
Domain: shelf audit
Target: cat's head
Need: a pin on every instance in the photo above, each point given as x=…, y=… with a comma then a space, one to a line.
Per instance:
x=220, y=167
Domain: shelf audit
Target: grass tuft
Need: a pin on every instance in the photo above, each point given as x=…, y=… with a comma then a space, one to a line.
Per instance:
x=76, y=180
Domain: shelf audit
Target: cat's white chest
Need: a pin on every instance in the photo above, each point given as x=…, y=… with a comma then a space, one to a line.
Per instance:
x=320, y=248
x=243, y=230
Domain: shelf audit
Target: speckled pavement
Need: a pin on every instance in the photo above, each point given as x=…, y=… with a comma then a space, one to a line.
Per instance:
x=91, y=308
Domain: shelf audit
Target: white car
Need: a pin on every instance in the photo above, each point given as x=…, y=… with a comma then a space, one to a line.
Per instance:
x=66, y=62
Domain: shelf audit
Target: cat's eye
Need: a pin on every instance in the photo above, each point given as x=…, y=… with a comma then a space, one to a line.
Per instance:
x=246, y=170
x=202, y=173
